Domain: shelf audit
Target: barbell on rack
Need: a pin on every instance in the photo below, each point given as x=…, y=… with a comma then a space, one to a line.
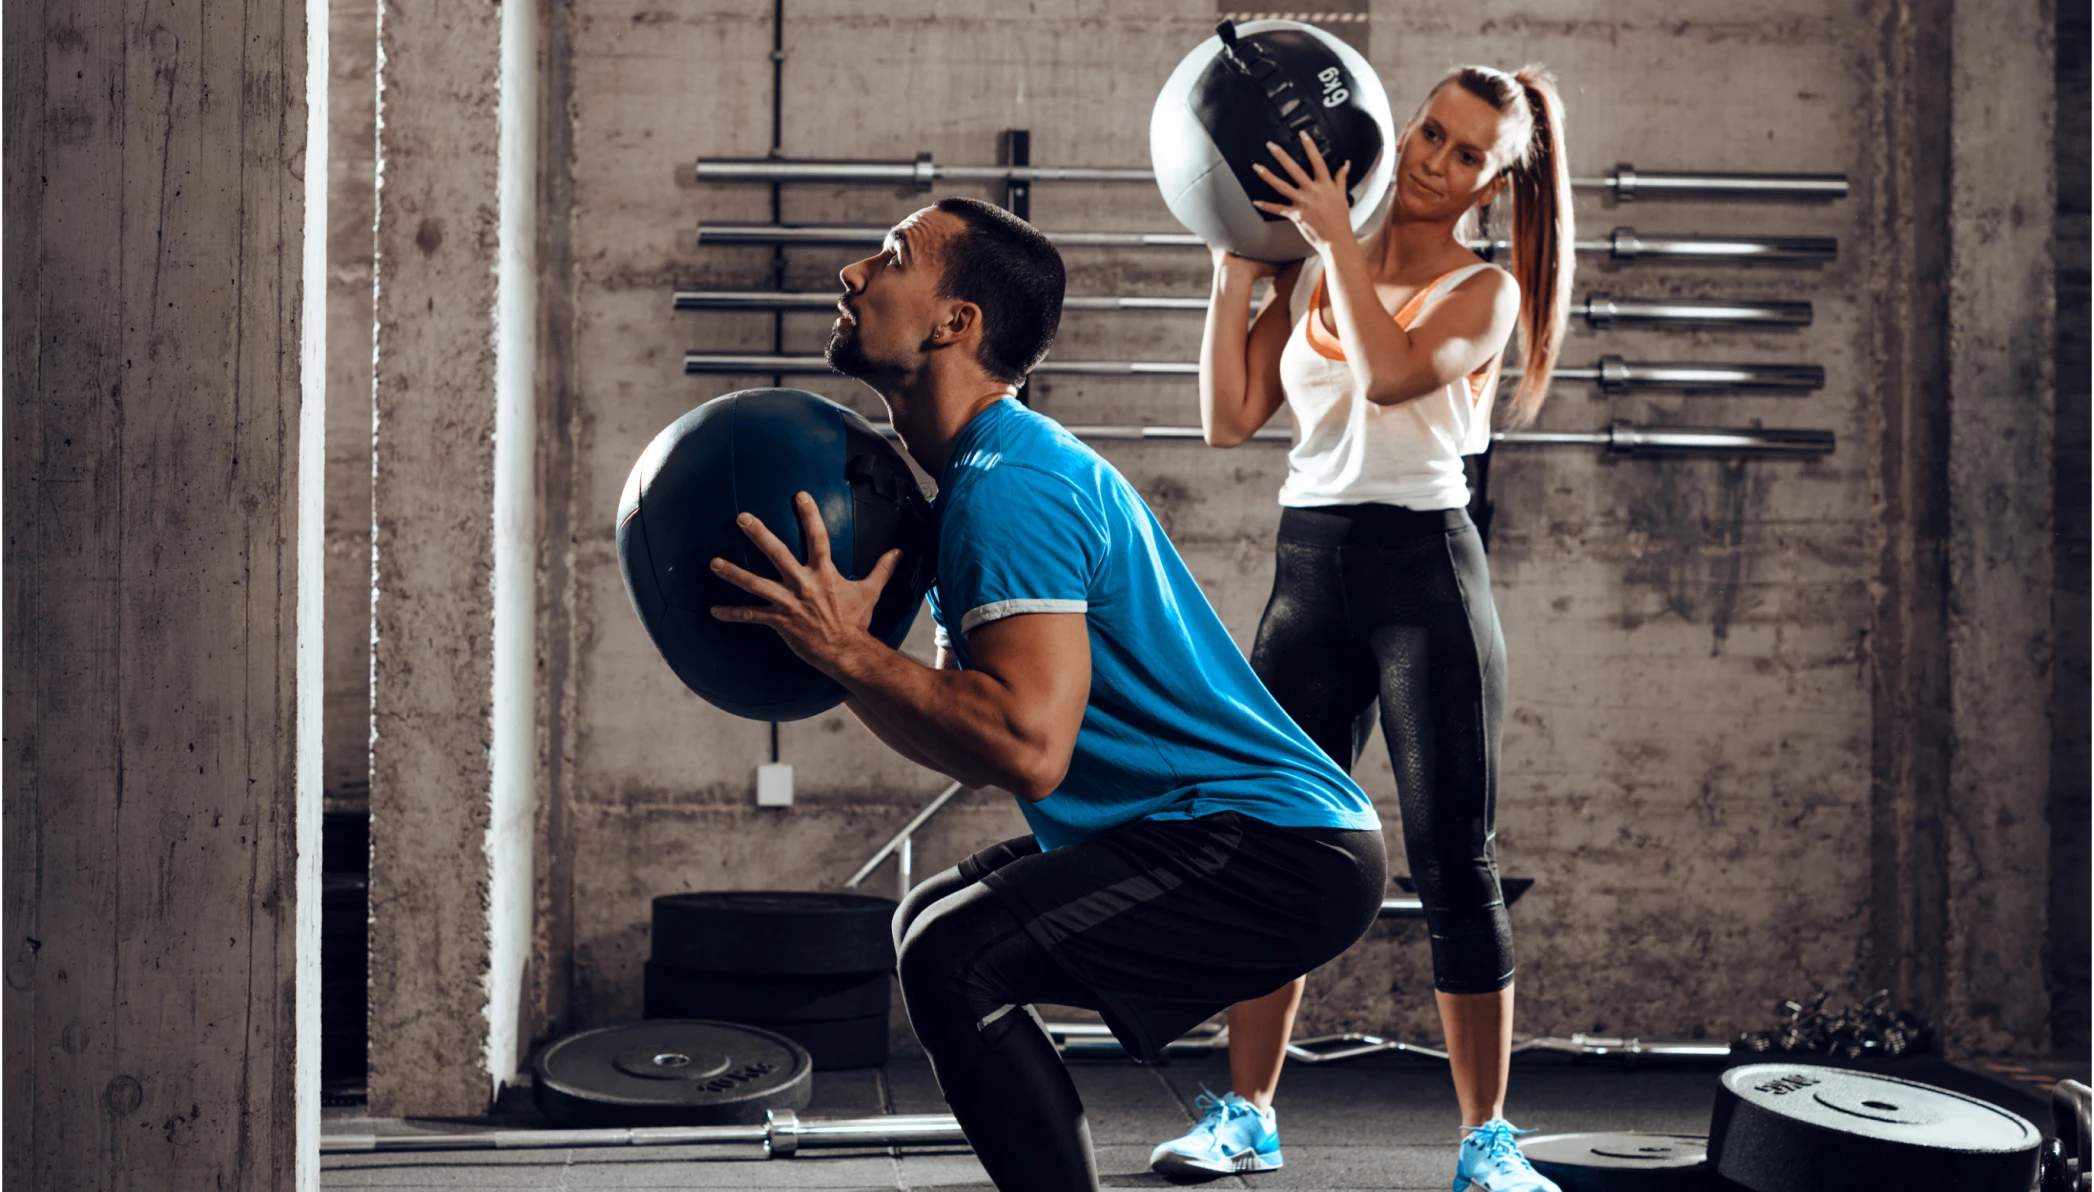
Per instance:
x=1604, y=310
x=1611, y=373
x=922, y=173
x=1599, y=310
x=1623, y=244
x=1620, y=438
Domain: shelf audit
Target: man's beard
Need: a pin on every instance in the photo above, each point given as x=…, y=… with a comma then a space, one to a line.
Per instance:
x=846, y=356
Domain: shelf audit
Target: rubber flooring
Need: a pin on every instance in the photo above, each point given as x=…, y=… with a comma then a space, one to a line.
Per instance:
x=1380, y=1122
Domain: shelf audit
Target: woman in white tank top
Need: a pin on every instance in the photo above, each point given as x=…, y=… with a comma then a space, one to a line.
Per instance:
x=1387, y=352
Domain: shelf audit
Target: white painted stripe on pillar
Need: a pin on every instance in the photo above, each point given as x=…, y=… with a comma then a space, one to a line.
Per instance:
x=514, y=728
x=311, y=638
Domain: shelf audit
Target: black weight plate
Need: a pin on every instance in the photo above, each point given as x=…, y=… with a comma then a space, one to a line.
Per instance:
x=670, y=1072
x=742, y=997
x=1802, y=1128
x=846, y=1043
x=774, y=931
x=1623, y=1162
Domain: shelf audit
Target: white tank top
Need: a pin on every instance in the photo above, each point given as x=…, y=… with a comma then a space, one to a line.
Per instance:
x=1348, y=450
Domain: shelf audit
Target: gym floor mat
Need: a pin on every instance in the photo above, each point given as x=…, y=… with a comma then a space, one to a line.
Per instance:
x=1382, y=1122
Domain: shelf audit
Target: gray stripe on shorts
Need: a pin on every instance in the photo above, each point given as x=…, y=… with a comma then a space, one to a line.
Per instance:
x=1075, y=918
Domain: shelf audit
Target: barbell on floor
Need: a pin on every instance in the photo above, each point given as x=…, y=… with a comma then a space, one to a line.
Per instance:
x=1598, y=310
x=924, y=172
x=782, y=1133
x=1611, y=372
x=1623, y=244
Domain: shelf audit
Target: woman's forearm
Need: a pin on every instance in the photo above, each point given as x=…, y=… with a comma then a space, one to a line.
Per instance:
x=1376, y=347
x=1224, y=349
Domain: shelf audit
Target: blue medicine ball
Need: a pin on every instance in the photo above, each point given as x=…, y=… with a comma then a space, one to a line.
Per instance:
x=1260, y=81
x=750, y=452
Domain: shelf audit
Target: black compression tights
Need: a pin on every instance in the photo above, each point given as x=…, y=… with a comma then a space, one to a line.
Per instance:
x=1379, y=603
x=969, y=975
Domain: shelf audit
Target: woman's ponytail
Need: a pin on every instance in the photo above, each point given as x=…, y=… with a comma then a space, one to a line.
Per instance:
x=1544, y=250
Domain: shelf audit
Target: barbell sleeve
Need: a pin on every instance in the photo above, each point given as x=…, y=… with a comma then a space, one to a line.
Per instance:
x=924, y=172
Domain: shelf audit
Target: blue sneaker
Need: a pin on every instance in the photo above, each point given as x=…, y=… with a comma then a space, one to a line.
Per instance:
x=1491, y=1162
x=1234, y=1136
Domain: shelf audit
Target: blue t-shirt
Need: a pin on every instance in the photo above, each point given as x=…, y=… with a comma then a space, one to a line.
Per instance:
x=1178, y=725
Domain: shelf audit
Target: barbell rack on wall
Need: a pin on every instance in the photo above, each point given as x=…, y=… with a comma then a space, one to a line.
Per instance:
x=1599, y=310
x=1625, y=183
x=1622, y=244
x=1611, y=373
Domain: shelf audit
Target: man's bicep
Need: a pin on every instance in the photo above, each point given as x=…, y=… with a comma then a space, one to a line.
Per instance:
x=1043, y=658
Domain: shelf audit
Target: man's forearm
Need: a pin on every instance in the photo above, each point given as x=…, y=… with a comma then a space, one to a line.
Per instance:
x=869, y=716
x=958, y=722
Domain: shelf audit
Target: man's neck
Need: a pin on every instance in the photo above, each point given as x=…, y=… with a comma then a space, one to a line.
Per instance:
x=930, y=410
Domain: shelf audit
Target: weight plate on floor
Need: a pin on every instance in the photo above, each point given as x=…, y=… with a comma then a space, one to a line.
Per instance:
x=670, y=1072
x=1622, y=1162
x=1802, y=1128
x=744, y=997
x=774, y=931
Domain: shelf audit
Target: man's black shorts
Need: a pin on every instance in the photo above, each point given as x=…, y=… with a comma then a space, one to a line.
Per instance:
x=1167, y=922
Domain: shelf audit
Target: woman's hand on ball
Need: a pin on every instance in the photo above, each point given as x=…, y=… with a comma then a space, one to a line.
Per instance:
x=1316, y=195
x=818, y=612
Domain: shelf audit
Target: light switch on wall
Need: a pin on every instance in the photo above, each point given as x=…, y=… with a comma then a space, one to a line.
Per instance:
x=774, y=785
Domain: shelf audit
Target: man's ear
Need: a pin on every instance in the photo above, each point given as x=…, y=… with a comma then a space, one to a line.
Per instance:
x=960, y=318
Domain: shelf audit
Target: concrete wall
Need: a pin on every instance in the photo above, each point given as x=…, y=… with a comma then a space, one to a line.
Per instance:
x=1749, y=700
x=161, y=767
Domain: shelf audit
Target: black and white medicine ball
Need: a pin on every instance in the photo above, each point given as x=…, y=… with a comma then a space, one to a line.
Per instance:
x=1267, y=81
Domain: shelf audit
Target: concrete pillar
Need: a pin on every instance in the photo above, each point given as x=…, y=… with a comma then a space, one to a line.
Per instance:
x=352, y=137
x=162, y=481
x=451, y=756
x=2003, y=94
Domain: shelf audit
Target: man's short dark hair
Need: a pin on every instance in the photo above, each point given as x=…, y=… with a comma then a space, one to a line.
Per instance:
x=1012, y=272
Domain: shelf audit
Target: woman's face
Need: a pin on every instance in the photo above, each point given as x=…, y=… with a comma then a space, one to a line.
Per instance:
x=1446, y=164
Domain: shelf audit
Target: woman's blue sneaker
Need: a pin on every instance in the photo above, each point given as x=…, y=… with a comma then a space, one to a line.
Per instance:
x=1234, y=1136
x=1491, y=1162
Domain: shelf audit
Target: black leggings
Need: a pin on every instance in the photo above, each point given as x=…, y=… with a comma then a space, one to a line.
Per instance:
x=1379, y=602
x=969, y=974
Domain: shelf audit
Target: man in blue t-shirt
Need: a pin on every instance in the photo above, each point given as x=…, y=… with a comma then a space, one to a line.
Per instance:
x=1191, y=847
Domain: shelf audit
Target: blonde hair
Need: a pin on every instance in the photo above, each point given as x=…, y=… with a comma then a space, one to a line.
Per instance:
x=1530, y=151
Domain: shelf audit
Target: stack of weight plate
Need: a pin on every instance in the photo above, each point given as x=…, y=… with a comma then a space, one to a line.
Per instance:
x=810, y=966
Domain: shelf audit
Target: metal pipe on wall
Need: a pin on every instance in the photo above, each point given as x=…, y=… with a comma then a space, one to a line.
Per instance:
x=1623, y=244
x=1612, y=372
x=1599, y=310
x=1625, y=183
